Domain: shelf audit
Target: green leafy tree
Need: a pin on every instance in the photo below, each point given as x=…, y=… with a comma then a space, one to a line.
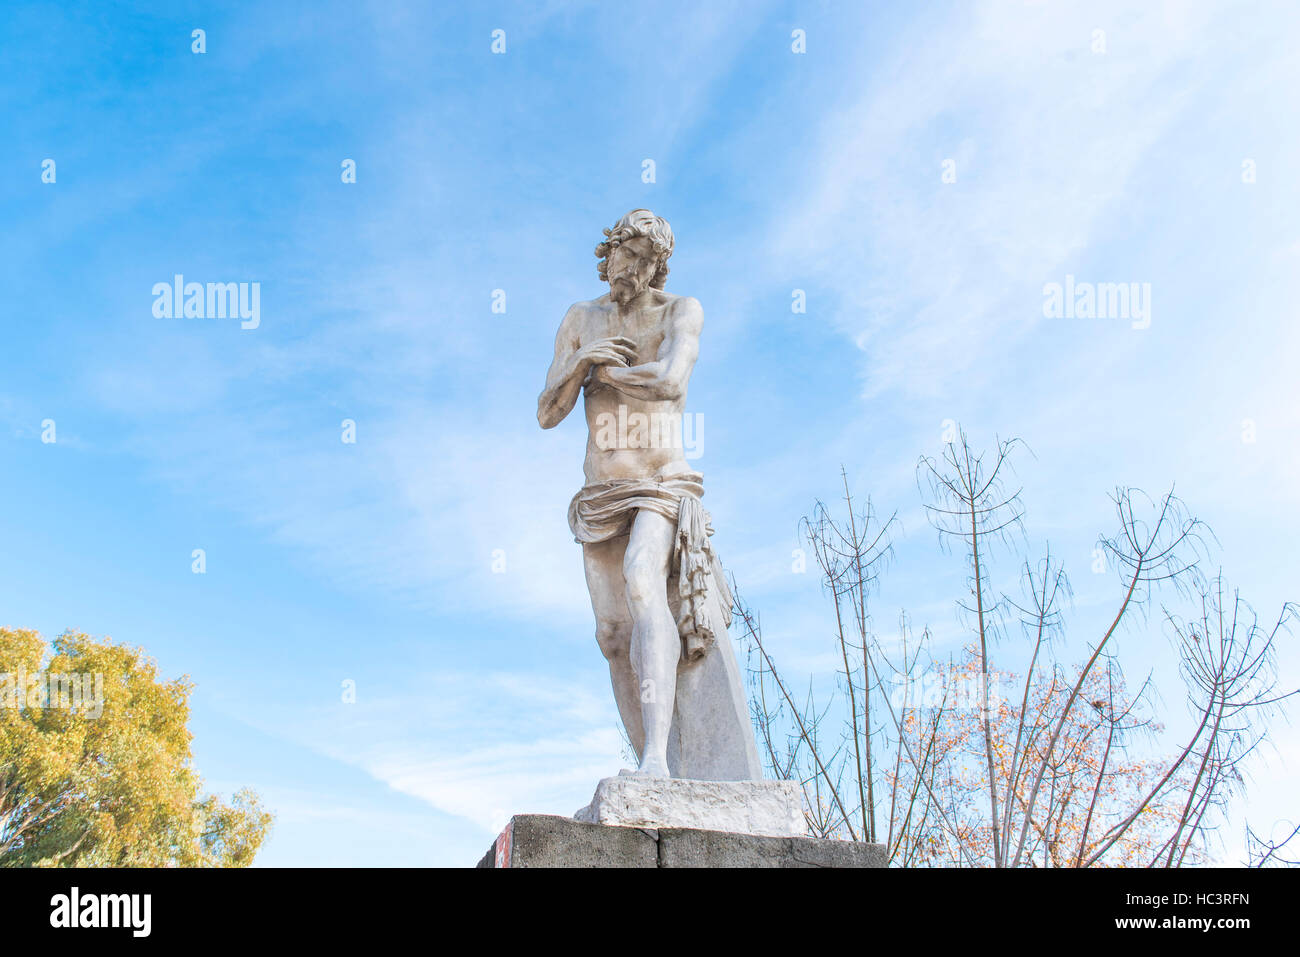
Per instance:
x=95, y=764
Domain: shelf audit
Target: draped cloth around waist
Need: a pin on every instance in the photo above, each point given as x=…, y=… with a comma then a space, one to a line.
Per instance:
x=605, y=510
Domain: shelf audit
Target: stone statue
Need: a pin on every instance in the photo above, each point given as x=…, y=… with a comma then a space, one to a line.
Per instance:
x=658, y=590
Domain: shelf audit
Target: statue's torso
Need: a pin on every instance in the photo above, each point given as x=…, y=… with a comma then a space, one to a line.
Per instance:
x=630, y=437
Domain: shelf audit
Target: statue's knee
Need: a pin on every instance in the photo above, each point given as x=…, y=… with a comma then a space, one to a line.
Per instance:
x=613, y=640
x=644, y=580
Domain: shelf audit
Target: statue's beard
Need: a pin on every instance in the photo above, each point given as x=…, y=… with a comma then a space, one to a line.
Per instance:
x=625, y=288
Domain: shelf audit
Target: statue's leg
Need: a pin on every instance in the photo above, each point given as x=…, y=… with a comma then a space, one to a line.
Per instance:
x=604, y=565
x=656, y=645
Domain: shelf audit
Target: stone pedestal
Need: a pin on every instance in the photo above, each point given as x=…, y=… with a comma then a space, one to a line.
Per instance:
x=542, y=840
x=767, y=808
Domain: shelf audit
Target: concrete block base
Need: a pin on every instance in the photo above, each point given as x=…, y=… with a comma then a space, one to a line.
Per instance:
x=543, y=840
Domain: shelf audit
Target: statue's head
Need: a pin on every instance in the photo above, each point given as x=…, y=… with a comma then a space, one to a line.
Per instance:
x=634, y=255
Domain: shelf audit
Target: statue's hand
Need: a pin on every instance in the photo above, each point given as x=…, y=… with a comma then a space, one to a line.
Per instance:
x=614, y=351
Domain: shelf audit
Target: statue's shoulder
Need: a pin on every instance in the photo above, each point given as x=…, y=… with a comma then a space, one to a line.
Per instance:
x=683, y=309
x=581, y=310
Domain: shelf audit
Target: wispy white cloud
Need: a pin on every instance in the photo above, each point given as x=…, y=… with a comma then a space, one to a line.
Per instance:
x=1046, y=137
x=488, y=785
x=477, y=745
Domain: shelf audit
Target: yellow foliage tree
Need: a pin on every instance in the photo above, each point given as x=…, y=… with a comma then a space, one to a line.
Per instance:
x=95, y=764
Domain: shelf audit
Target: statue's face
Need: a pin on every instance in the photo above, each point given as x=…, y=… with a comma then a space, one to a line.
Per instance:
x=631, y=266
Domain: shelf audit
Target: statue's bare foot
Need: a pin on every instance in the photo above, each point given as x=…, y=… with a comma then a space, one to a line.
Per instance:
x=651, y=769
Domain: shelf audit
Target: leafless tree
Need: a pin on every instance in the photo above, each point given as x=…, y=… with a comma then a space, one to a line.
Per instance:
x=1055, y=774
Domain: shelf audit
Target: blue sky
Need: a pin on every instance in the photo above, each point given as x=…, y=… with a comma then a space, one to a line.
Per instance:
x=482, y=694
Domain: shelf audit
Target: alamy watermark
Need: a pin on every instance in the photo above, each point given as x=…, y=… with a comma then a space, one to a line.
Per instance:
x=1101, y=300
x=953, y=691
x=179, y=299
x=39, y=690
x=650, y=430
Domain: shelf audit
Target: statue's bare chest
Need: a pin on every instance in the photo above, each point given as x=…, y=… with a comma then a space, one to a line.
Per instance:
x=646, y=327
